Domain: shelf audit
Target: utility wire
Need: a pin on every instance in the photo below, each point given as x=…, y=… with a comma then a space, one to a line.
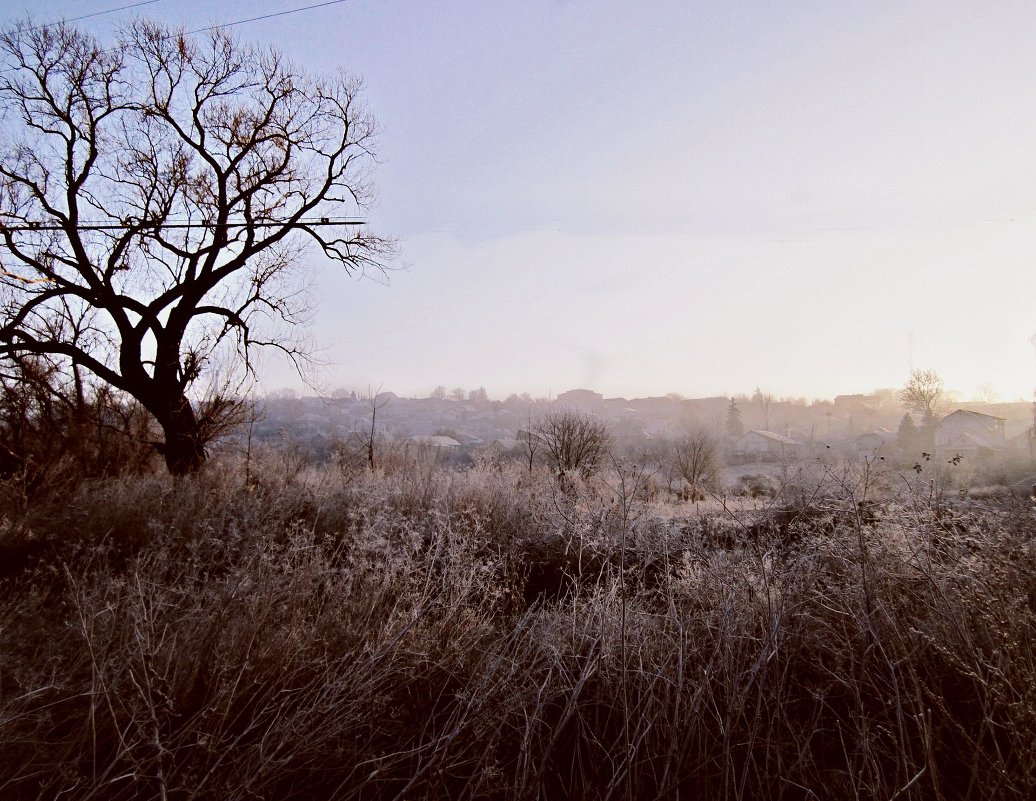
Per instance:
x=197, y=30
x=77, y=19
x=215, y=27
x=125, y=226
x=94, y=14
x=267, y=16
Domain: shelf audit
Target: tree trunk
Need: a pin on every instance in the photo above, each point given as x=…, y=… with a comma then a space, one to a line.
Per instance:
x=184, y=448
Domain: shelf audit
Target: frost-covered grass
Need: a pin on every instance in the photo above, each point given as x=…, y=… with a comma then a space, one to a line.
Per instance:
x=283, y=631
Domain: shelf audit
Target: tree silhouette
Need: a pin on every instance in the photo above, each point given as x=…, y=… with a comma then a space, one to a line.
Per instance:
x=696, y=459
x=907, y=437
x=765, y=401
x=735, y=428
x=156, y=196
x=574, y=440
x=922, y=394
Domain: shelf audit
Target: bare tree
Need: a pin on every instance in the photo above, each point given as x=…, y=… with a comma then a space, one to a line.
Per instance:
x=696, y=459
x=765, y=401
x=530, y=441
x=375, y=401
x=156, y=195
x=923, y=394
x=574, y=440
x=986, y=393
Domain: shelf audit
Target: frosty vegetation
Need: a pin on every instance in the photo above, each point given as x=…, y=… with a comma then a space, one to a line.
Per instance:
x=369, y=597
x=275, y=627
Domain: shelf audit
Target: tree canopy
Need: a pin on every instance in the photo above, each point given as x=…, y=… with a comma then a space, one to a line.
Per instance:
x=158, y=194
x=923, y=394
x=574, y=440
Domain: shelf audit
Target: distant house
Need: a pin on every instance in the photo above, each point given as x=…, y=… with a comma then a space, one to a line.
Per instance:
x=1024, y=443
x=432, y=441
x=768, y=446
x=970, y=434
x=524, y=436
x=580, y=397
x=857, y=412
x=503, y=447
x=873, y=443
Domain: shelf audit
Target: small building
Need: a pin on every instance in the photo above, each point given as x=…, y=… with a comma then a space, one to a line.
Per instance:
x=580, y=397
x=970, y=434
x=524, y=437
x=433, y=441
x=768, y=446
x=874, y=443
x=505, y=446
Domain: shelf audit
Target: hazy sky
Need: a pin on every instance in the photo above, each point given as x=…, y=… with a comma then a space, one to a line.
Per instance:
x=698, y=197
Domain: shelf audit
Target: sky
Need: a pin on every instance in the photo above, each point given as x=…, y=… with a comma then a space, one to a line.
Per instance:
x=693, y=197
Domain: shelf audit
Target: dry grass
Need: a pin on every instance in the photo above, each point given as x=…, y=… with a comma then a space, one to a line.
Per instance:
x=490, y=633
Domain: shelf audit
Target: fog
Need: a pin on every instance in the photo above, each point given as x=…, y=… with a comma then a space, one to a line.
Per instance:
x=678, y=197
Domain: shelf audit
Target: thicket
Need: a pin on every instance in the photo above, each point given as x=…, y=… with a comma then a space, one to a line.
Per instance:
x=268, y=629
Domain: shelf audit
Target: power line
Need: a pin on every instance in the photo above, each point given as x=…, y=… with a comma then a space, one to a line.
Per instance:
x=316, y=222
x=267, y=16
x=197, y=30
x=77, y=19
x=94, y=14
x=216, y=27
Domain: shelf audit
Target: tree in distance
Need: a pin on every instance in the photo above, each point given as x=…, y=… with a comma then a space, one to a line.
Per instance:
x=573, y=440
x=923, y=394
x=157, y=196
x=765, y=401
x=908, y=437
x=696, y=459
x=735, y=428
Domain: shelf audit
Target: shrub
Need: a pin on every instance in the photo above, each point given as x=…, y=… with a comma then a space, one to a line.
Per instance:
x=401, y=635
x=576, y=442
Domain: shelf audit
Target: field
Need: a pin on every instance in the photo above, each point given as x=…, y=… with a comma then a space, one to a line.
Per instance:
x=271, y=629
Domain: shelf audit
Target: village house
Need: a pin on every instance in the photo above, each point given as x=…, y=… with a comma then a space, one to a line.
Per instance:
x=583, y=398
x=504, y=446
x=768, y=446
x=874, y=444
x=970, y=434
x=433, y=441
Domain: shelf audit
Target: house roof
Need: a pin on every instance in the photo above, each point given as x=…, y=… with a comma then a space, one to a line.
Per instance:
x=771, y=436
x=434, y=441
x=505, y=444
x=974, y=414
x=577, y=395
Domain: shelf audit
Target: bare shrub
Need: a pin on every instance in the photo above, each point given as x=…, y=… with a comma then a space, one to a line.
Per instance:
x=55, y=430
x=304, y=637
x=574, y=441
x=758, y=485
x=696, y=460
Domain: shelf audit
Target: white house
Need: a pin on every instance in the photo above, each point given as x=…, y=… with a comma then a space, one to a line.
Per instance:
x=768, y=446
x=429, y=441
